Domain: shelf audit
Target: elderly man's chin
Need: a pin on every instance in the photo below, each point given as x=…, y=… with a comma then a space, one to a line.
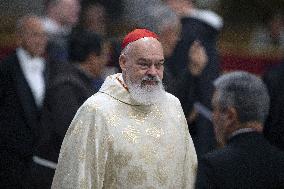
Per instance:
x=148, y=93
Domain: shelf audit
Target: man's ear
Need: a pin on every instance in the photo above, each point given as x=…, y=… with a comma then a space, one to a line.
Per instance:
x=122, y=62
x=232, y=115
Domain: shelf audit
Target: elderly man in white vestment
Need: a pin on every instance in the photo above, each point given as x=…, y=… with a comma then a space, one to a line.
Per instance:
x=131, y=134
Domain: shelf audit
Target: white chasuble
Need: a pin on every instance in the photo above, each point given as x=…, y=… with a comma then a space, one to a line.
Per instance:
x=113, y=142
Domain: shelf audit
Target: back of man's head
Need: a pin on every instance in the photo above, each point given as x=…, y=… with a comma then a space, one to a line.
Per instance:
x=246, y=93
x=83, y=43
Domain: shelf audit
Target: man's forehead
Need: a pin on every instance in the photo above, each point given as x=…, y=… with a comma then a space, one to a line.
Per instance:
x=146, y=41
x=146, y=44
x=150, y=59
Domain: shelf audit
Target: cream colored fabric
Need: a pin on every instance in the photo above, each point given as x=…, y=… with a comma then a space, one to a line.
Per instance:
x=115, y=143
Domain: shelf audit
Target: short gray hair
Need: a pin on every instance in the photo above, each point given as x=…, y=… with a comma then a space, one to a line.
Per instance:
x=245, y=92
x=159, y=17
x=153, y=15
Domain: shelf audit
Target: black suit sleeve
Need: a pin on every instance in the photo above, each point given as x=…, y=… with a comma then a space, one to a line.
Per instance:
x=205, y=175
x=63, y=104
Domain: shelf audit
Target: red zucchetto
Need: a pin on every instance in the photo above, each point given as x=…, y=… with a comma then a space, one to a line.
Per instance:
x=137, y=34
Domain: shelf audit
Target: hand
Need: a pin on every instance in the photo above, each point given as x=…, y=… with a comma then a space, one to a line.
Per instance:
x=191, y=117
x=197, y=58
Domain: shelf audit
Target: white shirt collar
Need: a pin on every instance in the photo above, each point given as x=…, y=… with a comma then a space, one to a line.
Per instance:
x=207, y=16
x=29, y=63
x=33, y=68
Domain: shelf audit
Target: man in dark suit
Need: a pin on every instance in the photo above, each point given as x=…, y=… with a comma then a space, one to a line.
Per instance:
x=68, y=88
x=22, y=88
x=274, y=124
x=240, y=106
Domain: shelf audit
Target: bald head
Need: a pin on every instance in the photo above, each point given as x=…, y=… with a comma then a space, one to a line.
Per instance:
x=31, y=35
x=145, y=45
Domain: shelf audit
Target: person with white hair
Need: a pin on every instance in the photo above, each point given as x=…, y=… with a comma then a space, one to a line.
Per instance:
x=131, y=134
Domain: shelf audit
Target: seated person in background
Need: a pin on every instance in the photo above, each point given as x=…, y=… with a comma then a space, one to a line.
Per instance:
x=67, y=91
x=94, y=18
x=240, y=106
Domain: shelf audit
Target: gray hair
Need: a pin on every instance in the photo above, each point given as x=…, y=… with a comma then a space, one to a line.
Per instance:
x=155, y=18
x=245, y=92
x=126, y=50
x=159, y=17
x=151, y=14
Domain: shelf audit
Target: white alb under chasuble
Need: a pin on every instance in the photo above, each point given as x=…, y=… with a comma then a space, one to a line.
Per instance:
x=113, y=142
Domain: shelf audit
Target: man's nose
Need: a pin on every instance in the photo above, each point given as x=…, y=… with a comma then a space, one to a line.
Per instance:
x=152, y=70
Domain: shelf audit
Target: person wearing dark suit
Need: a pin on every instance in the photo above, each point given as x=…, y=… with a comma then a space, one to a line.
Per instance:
x=70, y=85
x=187, y=87
x=203, y=26
x=274, y=124
x=22, y=89
x=247, y=160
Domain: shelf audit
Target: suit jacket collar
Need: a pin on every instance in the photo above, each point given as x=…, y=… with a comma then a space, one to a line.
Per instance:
x=24, y=93
x=245, y=138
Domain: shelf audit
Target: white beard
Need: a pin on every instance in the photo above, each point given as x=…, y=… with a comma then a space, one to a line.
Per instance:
x=147, y=94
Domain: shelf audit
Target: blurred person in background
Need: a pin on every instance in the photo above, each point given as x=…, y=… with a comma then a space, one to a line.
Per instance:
x=70, y=86
x=90, y=51
x=61, y=16
x=247, y=160
x=94, y=18
x=187, y=88
x=23, y=81
x=203, y=26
